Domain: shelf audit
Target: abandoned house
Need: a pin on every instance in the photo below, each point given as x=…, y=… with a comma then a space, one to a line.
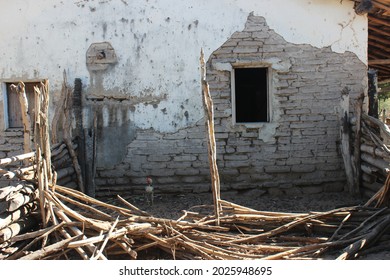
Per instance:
x=276, y=72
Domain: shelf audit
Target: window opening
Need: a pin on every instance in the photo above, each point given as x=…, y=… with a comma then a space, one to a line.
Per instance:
x=251, y=95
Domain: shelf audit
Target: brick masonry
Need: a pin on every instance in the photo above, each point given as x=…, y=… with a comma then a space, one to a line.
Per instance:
x=11, y=144
x=296, y=152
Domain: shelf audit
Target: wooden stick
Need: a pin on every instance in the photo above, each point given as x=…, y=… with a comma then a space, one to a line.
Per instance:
x=366, y=240
x=38, y=235
x=45, y=136
x=126, y=247
x=99, y=252
x=183, y=224
x=42, y=199
x=79, y=250
x=211, y=143
x=37, y=127
x=66, y=126
x=7, y=218
x=383, y=200
x=98, y=225
x=49, y=249
x=384, y=129
x=132, y=207
x=243, y=209
x=85, y=206
x=362, y=225
x=15, y=228
x=20, y=90
x=19, y=200
x=282, y=228
x=59, y=152
x=61, y=173
x=22, y=173
x=87, y=199
x=6, y=161
x=345, y=141
x=356, y=154
x=9, y=190
x=76, y=231
x=116, y=234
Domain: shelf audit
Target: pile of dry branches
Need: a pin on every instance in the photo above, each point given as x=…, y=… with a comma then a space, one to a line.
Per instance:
x=375, y=154
x=62, y=162
x=80, y=227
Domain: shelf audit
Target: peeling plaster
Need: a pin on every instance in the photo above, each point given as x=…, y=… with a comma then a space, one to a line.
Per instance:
x=158, y=44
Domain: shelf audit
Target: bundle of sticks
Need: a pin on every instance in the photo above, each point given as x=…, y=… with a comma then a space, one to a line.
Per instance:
x=17, y=203
x=11, y=169
x=375, y=155
x=62, y=163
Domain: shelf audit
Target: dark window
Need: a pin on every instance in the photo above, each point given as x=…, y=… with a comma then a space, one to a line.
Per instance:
x=251, y=95
x=13, y=103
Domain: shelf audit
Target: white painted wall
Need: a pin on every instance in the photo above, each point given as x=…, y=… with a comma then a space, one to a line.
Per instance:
x=157, y=43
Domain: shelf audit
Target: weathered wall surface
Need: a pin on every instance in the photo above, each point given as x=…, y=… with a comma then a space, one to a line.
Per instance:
x=148, y=102
x=296, y=152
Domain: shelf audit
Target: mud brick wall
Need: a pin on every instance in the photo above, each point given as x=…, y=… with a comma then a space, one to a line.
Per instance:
x=296, y=152
x=11, y=144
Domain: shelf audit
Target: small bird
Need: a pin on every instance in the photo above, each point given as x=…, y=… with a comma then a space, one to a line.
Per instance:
x=149, y=190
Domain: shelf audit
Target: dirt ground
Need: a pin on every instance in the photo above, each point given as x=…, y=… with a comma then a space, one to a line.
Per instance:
x=171, y=206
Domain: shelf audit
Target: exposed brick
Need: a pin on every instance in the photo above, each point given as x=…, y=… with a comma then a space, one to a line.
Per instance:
x=162, y=172
x=187, y=171
x=236, y=157
x=277, y=169
x=299, y=156
x=303, y=168
x=159, y=158
x=185, y=158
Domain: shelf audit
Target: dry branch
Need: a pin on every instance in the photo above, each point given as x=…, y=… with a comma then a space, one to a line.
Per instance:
x=16, y=228
x=211, y=143
x=67, y=135
x=366, y=240
x=7, y=218
x=6, y=161
x=20, y=90
x=49, y=249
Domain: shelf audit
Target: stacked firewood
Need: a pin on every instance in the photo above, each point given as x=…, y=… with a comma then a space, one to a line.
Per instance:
x=17, y=203
x=375, y=154
x=62, y=164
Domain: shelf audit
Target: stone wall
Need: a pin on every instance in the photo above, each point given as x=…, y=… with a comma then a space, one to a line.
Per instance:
x=296, y=152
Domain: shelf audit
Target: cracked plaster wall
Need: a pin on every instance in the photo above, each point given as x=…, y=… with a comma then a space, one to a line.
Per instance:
x=157, y=44
x=154, y=86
